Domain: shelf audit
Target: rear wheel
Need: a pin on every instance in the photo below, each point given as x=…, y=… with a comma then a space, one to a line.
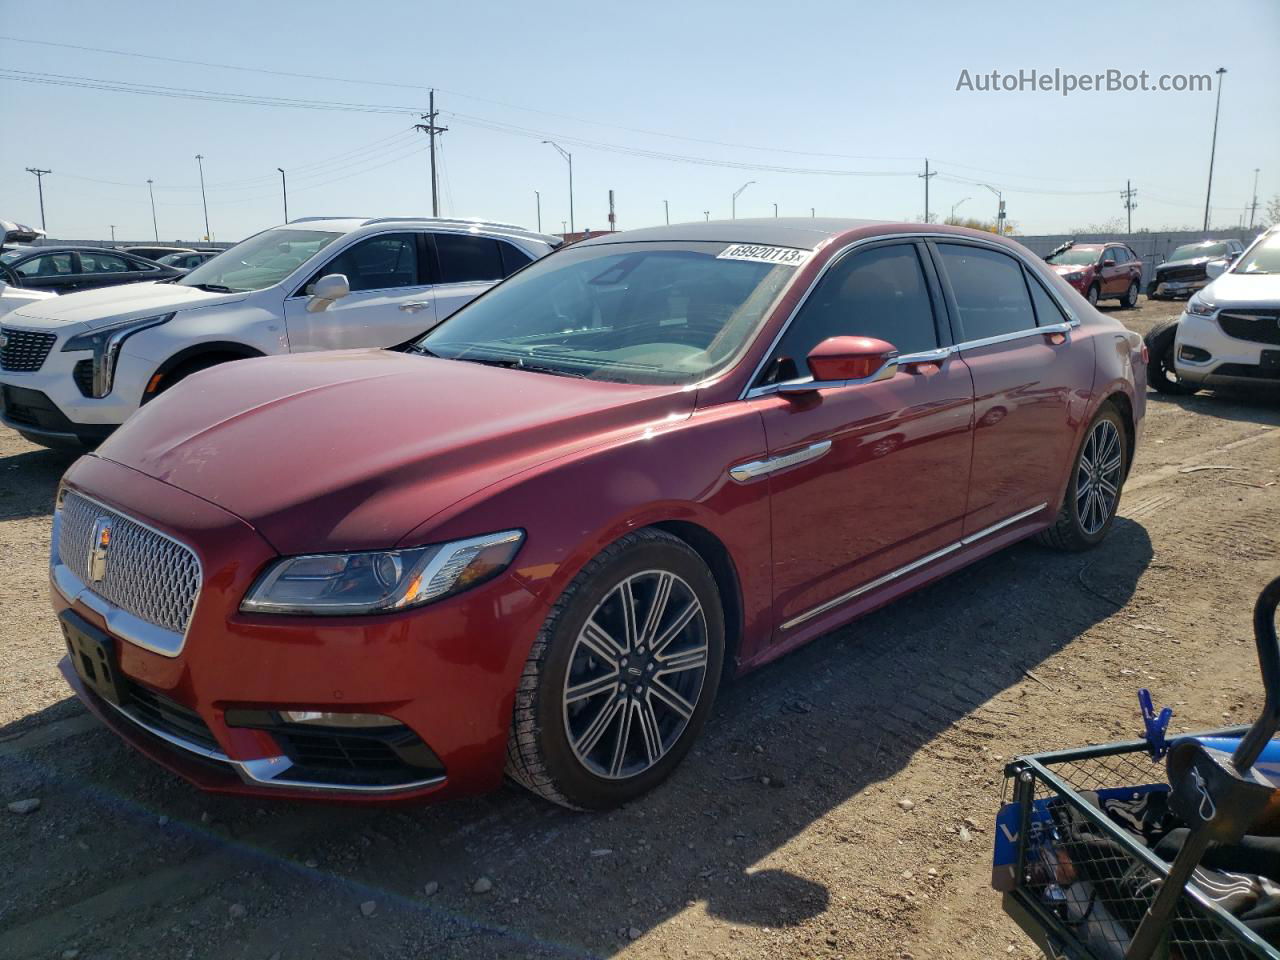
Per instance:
x=622, y=676
x=1131, y=296
x=1093, y=492
x=1092, y=295
x=1161, y=343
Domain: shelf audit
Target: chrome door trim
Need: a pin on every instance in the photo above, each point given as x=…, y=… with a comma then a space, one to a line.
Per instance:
x=909, y=568
x=1027, y=261
x=745, y=472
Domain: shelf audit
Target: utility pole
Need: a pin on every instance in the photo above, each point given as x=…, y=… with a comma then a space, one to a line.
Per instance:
x=432, y=129
x=40, y=187
x=284, y=193
x=812, y=213
x=154, y=225
x=568, y=157
x=113, y=232
x=926, y=177
x=666, y=211
x=733, y=207
x=1253, y=207
x=613, y=220
x=775, y=211
x=1213, y=149
x=200, y=163
x=1127, y=195
x=537, y=199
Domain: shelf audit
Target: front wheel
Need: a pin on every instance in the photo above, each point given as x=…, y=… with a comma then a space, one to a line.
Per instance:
x=622, y=676
x=1093, y=492
x=1161, y=374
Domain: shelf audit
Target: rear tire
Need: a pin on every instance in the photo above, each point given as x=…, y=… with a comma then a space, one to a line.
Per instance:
x=1131, y=296
x=614, y=694
x=1092, y=295
x=1093, y=490
x=1161, y=342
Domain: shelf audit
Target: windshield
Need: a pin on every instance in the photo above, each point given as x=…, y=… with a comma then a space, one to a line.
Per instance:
x=645, y=313
x=1190, y=251
x=1075, y=257
x=1262, y=257
x=261, y=261
x=11, y=255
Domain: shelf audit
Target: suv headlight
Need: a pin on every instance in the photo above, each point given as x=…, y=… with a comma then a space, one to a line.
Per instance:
x=1199, y=307
x=105, y=343
x=383, y=581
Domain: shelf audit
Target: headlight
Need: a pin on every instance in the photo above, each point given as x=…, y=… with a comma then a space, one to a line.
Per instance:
x=345, y=584
x=1073, y=276
x=1201, y=308
x=105, y=344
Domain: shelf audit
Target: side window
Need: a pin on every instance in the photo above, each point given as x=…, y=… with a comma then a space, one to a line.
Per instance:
x=513, y=258
x=1047, y=311
x=377, y=263
x=465, y=258
x=50, y=265
x=138, y=265
x=879, y=293
x=103, y=263
x=990, y=293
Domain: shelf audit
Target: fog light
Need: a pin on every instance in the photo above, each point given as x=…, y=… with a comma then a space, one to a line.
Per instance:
x=1193, y=354
x=324, y=719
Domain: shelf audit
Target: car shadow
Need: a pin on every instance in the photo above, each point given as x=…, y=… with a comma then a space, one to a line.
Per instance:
x=1256, y=405
x=786, y=746
x=40, y=471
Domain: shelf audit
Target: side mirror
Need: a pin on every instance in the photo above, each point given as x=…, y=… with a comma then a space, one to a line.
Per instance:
x=843, y=361
x=331, y=287
x=1216, y=268
x=1108, y=262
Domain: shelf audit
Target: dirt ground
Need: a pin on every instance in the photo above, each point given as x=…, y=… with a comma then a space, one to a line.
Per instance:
x=1027, y=650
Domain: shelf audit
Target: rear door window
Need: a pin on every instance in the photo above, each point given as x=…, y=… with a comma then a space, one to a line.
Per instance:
x=990, y=292
x=513, y=258
x=465, y=258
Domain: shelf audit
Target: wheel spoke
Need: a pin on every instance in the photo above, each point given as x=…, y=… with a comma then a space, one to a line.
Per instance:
x=628, y=599
x=677, y=625
x=1111, y=466
x=668, y=696
x=624, y=736
x=1108, y=487
x=596, y=729
x=601, y=644
x=690, y=659
x=592, y=688
x=649, y=730
x=661, y=595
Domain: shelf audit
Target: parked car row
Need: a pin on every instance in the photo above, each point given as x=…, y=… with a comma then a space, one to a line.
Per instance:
x=532, y=538
x=69, y=269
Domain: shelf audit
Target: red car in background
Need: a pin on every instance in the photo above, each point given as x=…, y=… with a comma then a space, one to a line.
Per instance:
x=1099, y=271
x=536, y=540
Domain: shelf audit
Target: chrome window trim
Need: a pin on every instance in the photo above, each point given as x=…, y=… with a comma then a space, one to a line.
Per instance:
x=909, y=568
x=120, y=622
x=1025, y=259
x=268, y=771
x=745, y=472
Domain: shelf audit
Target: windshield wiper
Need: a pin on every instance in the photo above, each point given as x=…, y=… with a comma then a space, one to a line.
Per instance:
x=213, y=287
x=420, y=350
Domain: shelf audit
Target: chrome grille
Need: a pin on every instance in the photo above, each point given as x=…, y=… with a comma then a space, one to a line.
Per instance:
x=147, y=574
x=24, y=350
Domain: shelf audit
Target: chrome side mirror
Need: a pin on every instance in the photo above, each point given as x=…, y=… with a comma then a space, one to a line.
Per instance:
x=1216, y=268
x=326, y=290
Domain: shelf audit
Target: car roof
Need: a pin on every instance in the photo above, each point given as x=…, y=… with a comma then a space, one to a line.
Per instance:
x=67, y=248
x=348, y=224
x=804, y=233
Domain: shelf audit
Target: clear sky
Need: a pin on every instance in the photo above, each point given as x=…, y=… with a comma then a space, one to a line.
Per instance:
x=742, y=91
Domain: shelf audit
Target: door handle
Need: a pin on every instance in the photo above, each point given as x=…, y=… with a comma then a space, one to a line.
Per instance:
x=414, y=306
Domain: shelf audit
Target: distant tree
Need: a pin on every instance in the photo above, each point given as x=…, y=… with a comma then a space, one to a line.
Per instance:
x=1273, y=211
x=1114, y=225
x=986, y=226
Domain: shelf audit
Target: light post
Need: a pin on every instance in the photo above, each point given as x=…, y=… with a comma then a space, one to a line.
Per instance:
x=284, y=193
x=955, y=205
x=706, y=214
x=113, y=232
x=569, y=160
x=154, y=225
x=666, y=211
x=1213, y=147
x=733, y=206
x=537, y=199
x=999, y=210
x=775, y=211
x=200, y=163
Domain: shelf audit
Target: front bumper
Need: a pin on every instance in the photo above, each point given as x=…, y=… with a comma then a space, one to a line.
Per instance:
x=1182, y=287
x=1212, y=357
x=446, y=672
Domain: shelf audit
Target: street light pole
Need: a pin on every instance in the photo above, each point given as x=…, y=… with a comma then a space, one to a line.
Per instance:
x=40, y=187
x=733, y=208
x=569, y=160
x=537, y=198
x=775, y=211
x=113, y=232
x=706, y=214
x=1213, y=148
x=203, y=200
x=955, y=205
x=666, y=209
x=284, y=193
x=999, y=209
x=154, y=225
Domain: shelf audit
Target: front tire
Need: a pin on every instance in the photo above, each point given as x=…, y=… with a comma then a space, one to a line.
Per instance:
x=622, y=676
x=1161, y=374
x=1093, y=491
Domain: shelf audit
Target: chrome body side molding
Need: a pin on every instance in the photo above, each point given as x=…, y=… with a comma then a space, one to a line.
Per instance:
x=744, y=472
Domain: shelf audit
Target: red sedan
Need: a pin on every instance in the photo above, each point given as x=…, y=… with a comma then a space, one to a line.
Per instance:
x=536, y=540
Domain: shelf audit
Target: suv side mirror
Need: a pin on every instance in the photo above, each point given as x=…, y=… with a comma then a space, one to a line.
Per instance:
x=844, y=361
x=1108, y=262
x=331, y=287
x=1216, y=268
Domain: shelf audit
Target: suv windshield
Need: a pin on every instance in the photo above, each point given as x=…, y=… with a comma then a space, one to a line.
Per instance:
x=644, y=313
x=259, y=262
x=1263, y=257
x=1075, y=257
x=1190, y=251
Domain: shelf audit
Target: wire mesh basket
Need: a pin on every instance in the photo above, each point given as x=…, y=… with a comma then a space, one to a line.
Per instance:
x=1077, y=882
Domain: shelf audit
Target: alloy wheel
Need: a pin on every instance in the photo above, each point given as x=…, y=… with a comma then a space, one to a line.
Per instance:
x=635, y=674
x=1098, y=477
x=1093, y=296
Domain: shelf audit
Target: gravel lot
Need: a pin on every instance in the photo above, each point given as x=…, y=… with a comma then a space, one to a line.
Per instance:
x=783, y=833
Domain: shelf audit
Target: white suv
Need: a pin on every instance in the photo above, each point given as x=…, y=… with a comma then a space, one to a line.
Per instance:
x=72, y=368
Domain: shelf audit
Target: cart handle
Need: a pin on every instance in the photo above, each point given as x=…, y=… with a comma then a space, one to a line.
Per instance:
x=1264, y=634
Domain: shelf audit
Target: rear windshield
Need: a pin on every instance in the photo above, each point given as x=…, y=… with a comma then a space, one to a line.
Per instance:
x=653, y=313
x=261, y=261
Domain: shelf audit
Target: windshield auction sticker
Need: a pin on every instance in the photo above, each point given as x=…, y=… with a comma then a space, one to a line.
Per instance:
x=786, y=256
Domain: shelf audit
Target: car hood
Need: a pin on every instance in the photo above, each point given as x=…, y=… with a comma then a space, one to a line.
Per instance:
x=352, y=450
x=1193, y=262
x=123, y=302
x=1260, y=290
